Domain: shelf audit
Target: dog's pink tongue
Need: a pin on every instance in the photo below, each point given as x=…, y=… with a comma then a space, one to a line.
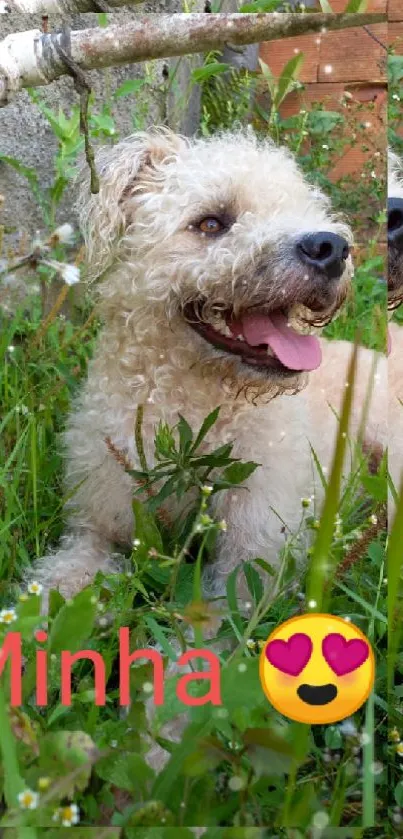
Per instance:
x=295, y=351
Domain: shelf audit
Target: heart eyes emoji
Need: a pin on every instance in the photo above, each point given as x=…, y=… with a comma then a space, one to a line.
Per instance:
x=342, y=655
x=290, y=656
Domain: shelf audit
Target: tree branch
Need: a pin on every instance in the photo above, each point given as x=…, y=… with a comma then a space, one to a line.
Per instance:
x=31, y=59
x=52, y=7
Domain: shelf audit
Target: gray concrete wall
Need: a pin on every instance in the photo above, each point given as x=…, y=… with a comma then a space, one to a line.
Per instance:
x=26, y=134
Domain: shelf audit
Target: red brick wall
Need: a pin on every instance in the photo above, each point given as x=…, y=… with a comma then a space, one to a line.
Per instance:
x=395, y=17
x=335, y=62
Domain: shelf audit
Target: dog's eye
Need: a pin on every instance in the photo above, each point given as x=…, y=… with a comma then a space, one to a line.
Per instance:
x=211, y=225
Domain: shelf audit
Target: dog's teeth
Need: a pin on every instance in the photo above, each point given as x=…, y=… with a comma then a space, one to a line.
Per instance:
x=270, y=351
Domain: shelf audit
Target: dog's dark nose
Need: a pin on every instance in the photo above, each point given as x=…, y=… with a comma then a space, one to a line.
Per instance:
x=395, y=223
x=325, y=251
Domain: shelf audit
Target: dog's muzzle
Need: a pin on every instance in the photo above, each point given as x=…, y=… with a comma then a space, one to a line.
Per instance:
x=395, y=224
x=395, y=252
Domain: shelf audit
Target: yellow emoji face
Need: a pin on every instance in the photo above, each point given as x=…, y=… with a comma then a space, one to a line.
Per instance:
x=317, y=669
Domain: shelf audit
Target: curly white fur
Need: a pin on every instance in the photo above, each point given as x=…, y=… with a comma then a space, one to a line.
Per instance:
x=145, y=249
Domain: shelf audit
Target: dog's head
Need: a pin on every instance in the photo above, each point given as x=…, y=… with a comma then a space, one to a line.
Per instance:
x=395, y=230
x=226, y=238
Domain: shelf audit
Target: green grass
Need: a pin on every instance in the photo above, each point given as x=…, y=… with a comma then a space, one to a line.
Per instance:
x=292, y=772
x=243, y=766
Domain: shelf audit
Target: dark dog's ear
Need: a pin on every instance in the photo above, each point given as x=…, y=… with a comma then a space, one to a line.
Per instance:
x=124, y=171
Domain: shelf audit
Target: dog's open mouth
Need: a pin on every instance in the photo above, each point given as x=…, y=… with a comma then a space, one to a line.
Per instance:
x=261, y=339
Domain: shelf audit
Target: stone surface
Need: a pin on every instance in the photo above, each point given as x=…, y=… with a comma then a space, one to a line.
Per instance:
x=25, y=133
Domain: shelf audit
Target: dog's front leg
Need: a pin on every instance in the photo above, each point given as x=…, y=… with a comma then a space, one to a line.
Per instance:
x=82, y=552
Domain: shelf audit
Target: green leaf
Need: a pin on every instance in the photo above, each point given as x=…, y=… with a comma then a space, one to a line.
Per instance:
x=200, y=74
x=146, y=530
x=205, y=428
x=125, y=771
x=269, y=753
x=323, y=122
x=129, y=86
x=254, y=582
x=161, y=638
x=74, y=623
x=288, y=77
x=240, y=685
x=356, y=6
x=375, y=486
x=232, y=599
x=68, y=756
x=261, y=6
x=185, y=434
x=166, y=490
x=236, y=473
x=399, y=793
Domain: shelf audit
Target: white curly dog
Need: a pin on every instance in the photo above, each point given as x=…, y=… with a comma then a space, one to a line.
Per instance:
x=215, y=259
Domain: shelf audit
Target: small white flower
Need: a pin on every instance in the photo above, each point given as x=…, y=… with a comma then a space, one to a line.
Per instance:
x=376, y=768
x=251, y=644
x=236, y=783
x=222, y=524
x=35, y=588
x=70, y=274
x=11, y=348
x=325, y=146
x=136, y=543
x=374, y=519
x=28, y=800
x=67, y=815
x=207, y=490
x=65, y=234
x=396, y=97
x=8, y=615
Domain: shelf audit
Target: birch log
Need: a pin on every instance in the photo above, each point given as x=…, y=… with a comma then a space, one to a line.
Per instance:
x=63, y=7
x=30, y=59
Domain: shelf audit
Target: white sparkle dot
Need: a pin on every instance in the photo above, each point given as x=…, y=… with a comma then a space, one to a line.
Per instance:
x=320, y=820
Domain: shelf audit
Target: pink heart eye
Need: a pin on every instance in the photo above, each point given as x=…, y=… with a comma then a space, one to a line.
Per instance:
x=344, y=656
x=290, y=656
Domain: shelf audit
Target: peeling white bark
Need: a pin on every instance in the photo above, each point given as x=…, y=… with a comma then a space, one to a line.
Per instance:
x=48, y=7
x=31, y=59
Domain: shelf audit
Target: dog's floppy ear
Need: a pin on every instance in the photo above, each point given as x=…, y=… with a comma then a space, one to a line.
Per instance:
x=128, y=168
